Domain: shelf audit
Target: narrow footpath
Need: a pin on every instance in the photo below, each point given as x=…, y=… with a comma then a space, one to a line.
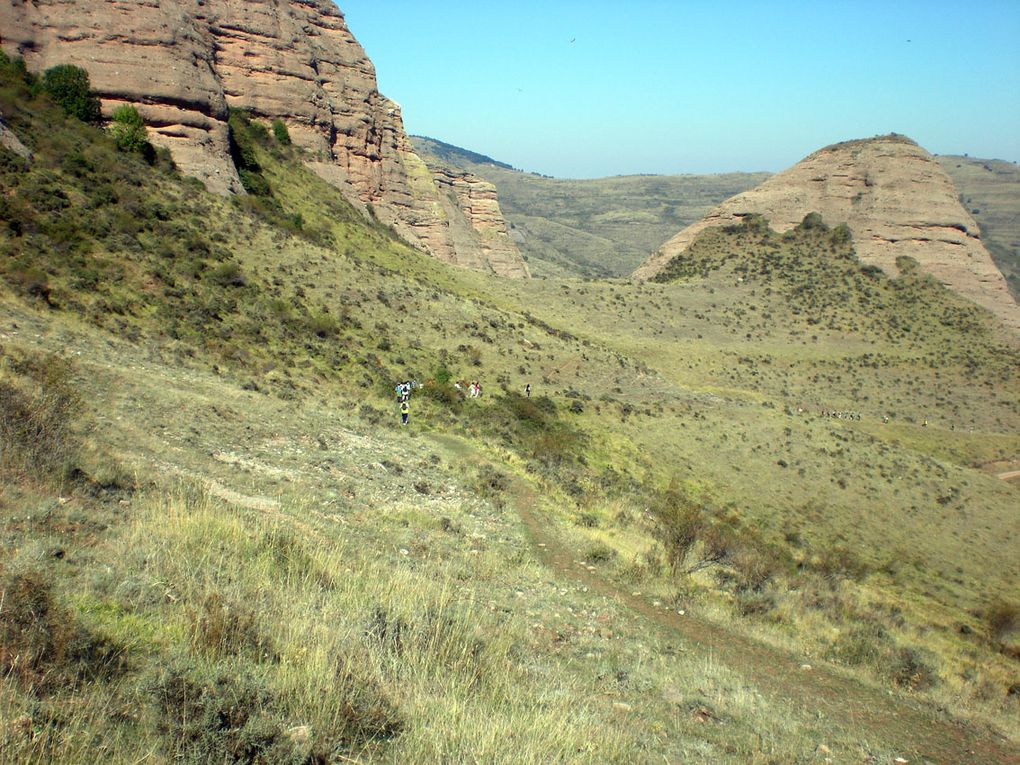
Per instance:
x=913, y=727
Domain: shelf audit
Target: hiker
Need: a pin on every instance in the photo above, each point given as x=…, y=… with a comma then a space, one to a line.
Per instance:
x=405, y=410
x=527, y=390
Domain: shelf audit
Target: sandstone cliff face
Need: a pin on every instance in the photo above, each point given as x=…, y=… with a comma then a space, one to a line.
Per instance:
x=184, y=63
x=477, y=199
x=895, y=198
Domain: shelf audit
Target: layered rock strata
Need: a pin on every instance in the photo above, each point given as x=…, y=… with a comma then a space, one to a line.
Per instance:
x=477, y=200
x=895, y=198
x=185, y=63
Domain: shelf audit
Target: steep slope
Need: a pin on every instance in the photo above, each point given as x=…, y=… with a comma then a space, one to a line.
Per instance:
x=990, y=190
x=184, y=64
x=896, y=200
x=593, y=228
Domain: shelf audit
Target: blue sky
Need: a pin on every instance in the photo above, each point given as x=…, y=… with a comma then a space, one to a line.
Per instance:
x=587, y=89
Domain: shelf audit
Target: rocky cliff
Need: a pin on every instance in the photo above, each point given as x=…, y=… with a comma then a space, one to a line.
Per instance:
x=990, y=190
x=185, y=63
x=895, y=198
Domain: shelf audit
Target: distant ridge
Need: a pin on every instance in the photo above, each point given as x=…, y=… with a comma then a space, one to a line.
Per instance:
x=455, y=155
x=594, y=228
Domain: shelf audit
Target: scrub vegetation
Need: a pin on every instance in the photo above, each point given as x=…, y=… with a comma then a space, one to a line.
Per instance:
x=218, y=544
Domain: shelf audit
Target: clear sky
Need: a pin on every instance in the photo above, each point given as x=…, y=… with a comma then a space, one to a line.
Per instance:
x=587, y=88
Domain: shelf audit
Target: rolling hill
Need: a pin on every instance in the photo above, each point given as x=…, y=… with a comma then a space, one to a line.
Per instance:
x=593, y=228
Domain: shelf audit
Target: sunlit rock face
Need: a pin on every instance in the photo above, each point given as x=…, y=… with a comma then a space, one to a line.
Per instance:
x=184, y=63
x=896, y=199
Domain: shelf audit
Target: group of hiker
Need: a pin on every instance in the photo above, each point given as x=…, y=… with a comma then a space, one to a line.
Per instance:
x=402, y=391
x=841, y=415
x=474, y=390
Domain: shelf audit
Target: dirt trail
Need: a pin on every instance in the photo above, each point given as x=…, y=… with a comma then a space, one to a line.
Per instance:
x=910, y=726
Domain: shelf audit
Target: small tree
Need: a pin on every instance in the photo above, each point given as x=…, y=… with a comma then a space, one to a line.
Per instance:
x=68, y=86
x=813, y=220
x=842, y=234
x=128, y=131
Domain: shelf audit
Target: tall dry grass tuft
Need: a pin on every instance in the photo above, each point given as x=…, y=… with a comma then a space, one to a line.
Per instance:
x=39, y=410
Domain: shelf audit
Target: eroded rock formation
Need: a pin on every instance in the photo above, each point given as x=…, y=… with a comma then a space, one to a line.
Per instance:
x=895, y=198
x=184, y=63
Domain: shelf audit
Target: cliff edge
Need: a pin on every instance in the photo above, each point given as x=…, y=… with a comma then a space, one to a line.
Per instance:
x=184, y=63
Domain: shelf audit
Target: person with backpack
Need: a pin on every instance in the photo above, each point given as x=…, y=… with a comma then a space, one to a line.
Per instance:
x=405, y=410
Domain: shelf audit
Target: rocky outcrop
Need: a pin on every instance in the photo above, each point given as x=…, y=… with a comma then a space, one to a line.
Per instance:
x=11, y=141
x=895, y=198
x=477, y=199
x=185, y=63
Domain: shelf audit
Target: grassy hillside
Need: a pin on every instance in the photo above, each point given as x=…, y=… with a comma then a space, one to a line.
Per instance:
x=990, y=189
x=219, y=544
x=595, y=228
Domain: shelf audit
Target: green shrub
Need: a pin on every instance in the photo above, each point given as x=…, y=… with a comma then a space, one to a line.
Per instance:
x=128, y=131
x=681, y=522
x=243, y=135
x=223, y=714
x=281, y=133
x=842, y=235
x=813, y=221
x=69, y=87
